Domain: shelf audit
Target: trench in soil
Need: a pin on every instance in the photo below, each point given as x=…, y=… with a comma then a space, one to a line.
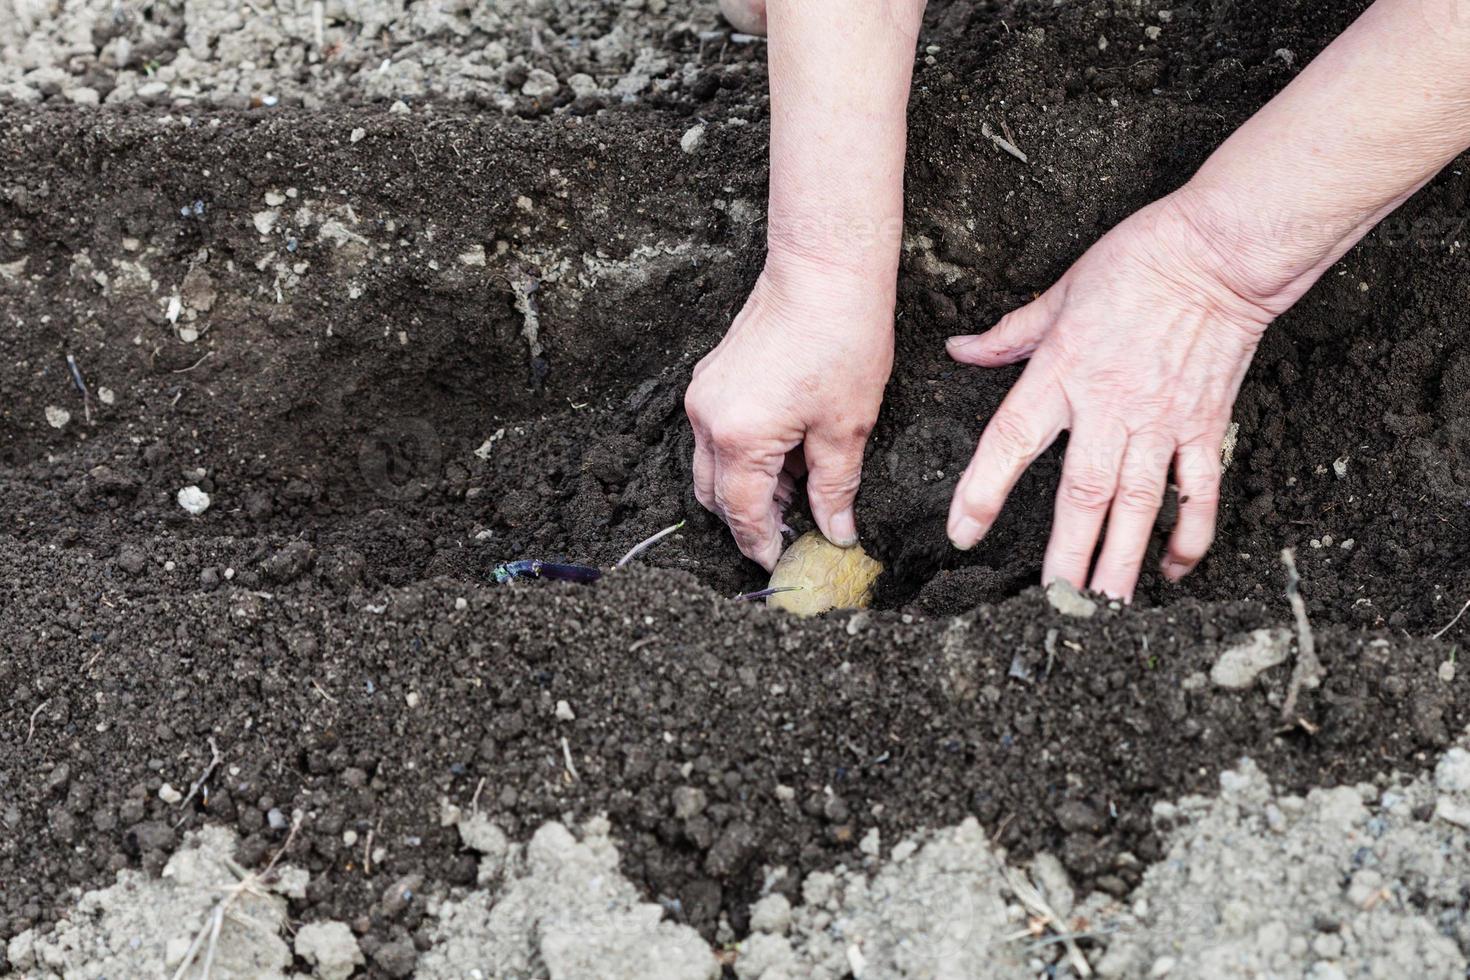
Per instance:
x=452, y=284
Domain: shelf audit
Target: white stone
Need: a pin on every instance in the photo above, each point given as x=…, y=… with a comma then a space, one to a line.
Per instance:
x=692, y=139
x=540, y=84
x=331, y=948
x=169, y=795
x=771, y=914
x=57, y=417
x=194, y=500
x=1065, y=599
x=1240, y=665
x=564, y=712
x=1452, y=775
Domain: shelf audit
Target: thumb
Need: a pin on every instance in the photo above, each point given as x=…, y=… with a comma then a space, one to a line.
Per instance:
x=1012, y=339
x=834, y=469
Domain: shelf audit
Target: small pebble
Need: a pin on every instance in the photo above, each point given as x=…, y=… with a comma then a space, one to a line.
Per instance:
x=692, y=139
x=1065, y=599
x=564, y=712
x=169, y=795
x=540, y=84
x=194, y=500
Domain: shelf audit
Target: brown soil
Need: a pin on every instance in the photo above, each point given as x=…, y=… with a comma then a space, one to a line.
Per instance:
x=309, y=624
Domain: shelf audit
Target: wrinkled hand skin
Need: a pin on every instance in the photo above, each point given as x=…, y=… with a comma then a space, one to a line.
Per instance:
x=792, y=390
x=1139, y=350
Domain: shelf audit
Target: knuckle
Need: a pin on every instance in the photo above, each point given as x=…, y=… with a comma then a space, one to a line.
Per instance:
x=1202, y=498
x=1012, y=436
x=1141, y=496
x=1201, y=469
x=1087, y=491
x=729, y=434
x=838, y=478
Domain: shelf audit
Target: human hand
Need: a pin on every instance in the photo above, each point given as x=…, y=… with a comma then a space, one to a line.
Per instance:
x=1139, y=350
x=793, y=388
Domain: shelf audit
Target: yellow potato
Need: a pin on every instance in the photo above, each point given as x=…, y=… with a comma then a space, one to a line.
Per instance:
x=826, y=576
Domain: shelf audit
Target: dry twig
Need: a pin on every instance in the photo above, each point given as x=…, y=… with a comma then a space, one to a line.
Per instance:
x=1452, y=622
x=34, y=714
x=647, y=543
x=1308, y=670
x=1032, y=898
x=199, y=783
x=208, y=936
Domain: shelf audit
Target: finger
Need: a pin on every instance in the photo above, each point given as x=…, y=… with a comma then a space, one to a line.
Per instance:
x=747, y=16
x=1135, y=507
x=834, y=470
x=1013, y=339
x=745, y=496
x=1197, y=470
x=704, y=472
x=1089, y=481
x=1021, y=429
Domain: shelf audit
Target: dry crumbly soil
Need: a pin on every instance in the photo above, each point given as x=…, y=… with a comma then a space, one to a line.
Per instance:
x=396, y=348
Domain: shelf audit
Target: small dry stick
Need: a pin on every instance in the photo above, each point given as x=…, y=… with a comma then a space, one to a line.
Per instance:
x=199, y=783
x=647, y=543
x=76, y=376
x=566, y=750
x=1453, y=621
x=210, y=931
x=1308, y=670
x=1032, y=898
x=34, y=714
x=1003, y=143
x=207, y=356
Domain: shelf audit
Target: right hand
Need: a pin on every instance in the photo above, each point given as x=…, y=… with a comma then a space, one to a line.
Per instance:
x=792, y=389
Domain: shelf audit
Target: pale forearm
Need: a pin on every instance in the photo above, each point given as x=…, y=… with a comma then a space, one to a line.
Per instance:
x=1367, y=123
x=840, y=73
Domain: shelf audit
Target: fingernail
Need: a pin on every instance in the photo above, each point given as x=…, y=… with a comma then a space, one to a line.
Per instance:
x=961, y=341
x=844, y=529
x=965, y=533
x=1173, y=570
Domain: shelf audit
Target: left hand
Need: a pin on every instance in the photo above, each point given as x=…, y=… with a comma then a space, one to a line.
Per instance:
x=1139, y=350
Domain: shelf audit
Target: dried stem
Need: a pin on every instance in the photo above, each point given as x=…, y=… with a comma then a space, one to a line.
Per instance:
x=1308, y=670
x=647, y=543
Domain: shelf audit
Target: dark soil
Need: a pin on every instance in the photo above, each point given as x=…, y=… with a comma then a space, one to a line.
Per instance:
x=308, y=622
